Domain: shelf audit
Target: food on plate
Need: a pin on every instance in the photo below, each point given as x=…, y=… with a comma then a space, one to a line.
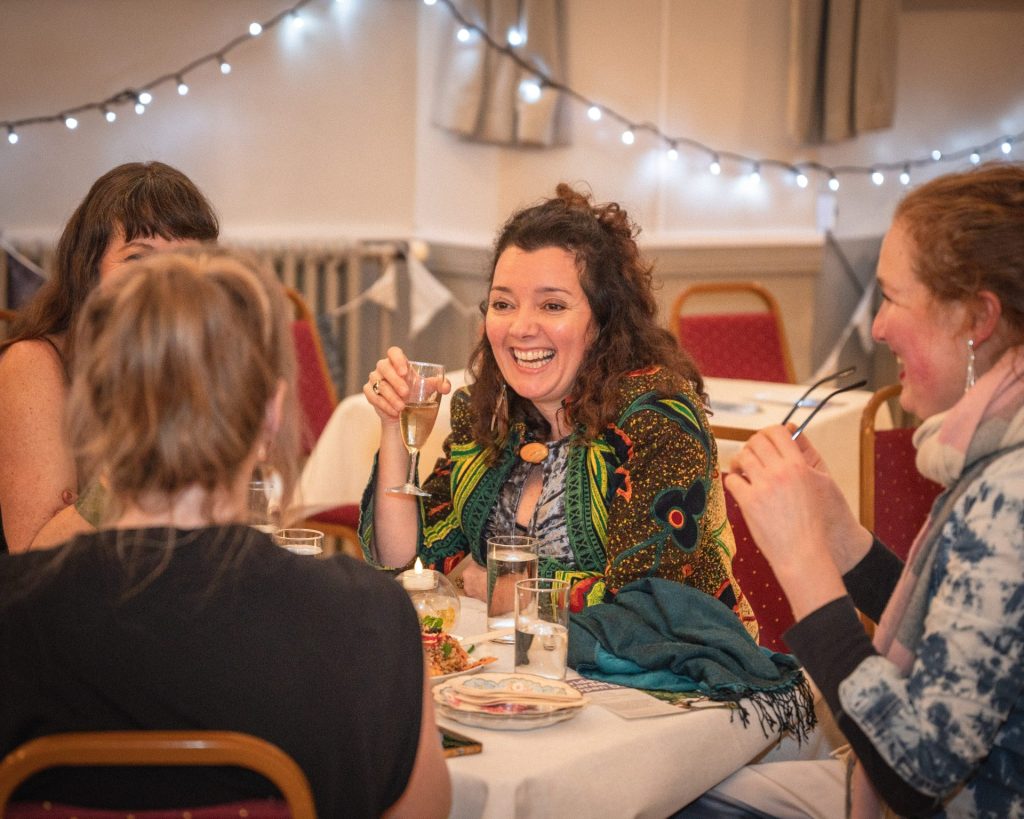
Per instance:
x=445, y=654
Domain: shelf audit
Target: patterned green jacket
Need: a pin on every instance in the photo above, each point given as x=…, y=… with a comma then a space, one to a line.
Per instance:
x=643, y=499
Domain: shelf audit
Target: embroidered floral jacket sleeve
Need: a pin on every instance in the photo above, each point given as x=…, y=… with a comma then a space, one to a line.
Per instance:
x=644, y=499
x=951, y=735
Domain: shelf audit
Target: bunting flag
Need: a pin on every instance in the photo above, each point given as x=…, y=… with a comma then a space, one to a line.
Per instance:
x=383, y=293
x=24, y=277
x=844, y=305
x=859, y=323
x=427, y=295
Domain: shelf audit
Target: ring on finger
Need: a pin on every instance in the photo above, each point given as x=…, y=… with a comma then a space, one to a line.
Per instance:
x=376, y=387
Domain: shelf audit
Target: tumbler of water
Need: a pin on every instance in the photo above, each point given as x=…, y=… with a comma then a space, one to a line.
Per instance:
x=510, y=558
x=542, y=627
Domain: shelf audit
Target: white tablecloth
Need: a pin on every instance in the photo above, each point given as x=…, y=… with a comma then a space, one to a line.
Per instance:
x=596, y=764
x=340, y=464
x=834, y=431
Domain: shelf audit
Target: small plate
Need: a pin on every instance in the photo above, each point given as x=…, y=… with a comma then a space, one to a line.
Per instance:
x=476, y=669
x=504, y=722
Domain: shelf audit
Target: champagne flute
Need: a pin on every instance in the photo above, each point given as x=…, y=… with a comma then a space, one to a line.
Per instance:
x=418, y=415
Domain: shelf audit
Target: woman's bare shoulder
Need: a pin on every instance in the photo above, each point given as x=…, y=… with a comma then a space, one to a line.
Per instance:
x=31, y=364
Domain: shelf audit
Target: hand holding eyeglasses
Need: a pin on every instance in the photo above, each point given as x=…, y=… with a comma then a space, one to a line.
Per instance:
x=802, y=401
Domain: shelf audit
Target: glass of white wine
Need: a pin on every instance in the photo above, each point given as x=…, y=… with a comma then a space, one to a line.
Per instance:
x=418, y=415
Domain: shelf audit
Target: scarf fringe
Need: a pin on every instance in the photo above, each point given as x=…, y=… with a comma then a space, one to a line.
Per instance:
x=787, y=709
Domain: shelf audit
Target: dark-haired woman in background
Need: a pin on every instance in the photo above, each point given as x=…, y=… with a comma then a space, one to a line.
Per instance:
x=131, y=211
x=622, y=480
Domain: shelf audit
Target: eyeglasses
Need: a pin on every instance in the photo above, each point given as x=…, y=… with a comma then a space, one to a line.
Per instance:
x=802, y=400
x=854, y=386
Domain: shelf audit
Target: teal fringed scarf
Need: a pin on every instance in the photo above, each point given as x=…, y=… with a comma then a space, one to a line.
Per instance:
x=666, y=636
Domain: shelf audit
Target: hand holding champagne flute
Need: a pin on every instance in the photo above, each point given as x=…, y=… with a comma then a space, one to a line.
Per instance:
x=406, y=397
x=417, y=416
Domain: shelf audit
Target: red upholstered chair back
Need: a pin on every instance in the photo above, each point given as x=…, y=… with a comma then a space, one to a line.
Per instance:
x=132, y=748
x=758, y=582
x=734, y=345
x=317, y=399
x=895, y=498
x=316, y=392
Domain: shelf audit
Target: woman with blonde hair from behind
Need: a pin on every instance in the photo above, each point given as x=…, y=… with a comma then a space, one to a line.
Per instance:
x=176, y=614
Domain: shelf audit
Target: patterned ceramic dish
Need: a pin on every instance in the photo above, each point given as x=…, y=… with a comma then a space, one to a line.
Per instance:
x=512, y=715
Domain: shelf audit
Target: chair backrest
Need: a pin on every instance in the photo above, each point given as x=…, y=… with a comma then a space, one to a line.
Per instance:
x=131, y=748
x=758, y=582
x=894, y=497
x=317, y=394
x=735, y=344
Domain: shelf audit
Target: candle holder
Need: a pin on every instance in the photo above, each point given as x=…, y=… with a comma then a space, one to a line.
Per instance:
x=432, y=595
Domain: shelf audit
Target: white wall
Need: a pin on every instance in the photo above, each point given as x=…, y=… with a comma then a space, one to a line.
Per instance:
x=327, y=130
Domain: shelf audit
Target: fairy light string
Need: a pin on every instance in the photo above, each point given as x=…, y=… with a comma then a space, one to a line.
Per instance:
x=511, y=47
x=799, y=170
x=141, y=95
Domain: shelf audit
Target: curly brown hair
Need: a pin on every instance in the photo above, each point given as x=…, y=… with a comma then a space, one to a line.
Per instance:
x=618, y=285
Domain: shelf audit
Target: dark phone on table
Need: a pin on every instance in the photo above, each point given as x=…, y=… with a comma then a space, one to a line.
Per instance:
x=456, y=744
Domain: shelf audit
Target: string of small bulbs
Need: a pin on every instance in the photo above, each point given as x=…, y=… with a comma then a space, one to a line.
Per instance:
x=531, y=89
x=142, y=95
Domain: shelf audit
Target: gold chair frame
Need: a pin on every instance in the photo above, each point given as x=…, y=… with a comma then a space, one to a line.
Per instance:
x=186, y=748
x=750, y=288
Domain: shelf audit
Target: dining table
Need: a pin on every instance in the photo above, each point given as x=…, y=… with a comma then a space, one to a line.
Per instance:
x=740, y=407
x=337, y=470
x=596, y=764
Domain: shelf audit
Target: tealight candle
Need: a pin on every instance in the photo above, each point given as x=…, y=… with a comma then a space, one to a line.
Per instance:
x=418, y=578
x=432, y=594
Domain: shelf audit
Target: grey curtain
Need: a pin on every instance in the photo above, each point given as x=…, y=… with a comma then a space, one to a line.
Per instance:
x=842, y=67
x=478, y=93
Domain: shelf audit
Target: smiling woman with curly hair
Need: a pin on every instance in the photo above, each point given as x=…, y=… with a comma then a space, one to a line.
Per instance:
x=584, y=426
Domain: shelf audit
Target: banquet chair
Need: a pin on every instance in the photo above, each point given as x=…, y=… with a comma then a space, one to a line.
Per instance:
x=894, y=497
x=750, y=567
x=741, y=344
x=163, y=748
x=758, y=582
x=317, y=399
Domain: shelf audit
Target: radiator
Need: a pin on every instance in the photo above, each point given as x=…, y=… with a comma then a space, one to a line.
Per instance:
x=328, y=275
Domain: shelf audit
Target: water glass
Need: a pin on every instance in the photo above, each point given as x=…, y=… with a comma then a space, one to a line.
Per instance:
x=510, y=558
x=542, y=627
x=260, y=514
x=300, y=541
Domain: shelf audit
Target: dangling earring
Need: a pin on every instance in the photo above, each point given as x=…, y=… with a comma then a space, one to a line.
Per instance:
x=499, y=406
x=970, y=364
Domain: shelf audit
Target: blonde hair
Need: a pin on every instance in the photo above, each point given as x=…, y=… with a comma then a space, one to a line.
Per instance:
x=180, y=357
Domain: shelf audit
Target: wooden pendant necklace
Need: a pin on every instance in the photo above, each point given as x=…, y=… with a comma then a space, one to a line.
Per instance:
x=533, y=452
